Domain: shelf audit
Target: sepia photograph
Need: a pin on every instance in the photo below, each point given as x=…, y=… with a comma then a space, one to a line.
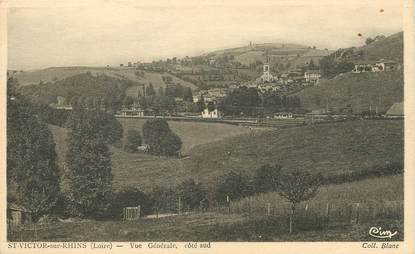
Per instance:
x=204, y=122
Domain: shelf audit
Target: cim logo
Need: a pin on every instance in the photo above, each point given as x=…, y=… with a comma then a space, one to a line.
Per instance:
x=377, y=232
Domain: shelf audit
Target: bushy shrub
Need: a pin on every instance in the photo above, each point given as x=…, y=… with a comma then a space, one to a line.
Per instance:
x=265, y=178
x=129, y=197
x=132, y=141
x=235, y=186
x=192, y=194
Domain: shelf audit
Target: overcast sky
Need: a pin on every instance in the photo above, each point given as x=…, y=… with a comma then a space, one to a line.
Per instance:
x=113, y=32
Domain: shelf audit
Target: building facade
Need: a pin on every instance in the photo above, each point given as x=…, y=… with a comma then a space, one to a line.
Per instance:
x=214, y=114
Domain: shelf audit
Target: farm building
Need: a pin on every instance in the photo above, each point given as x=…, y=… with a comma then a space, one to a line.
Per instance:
x=136, y=112
x=312, y=76
x=381, y=65
x=17, y=215
x=211, y=114
x=283, y=115
x=396, y=111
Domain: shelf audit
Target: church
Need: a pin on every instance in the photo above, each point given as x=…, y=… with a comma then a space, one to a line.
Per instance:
x=266, y=76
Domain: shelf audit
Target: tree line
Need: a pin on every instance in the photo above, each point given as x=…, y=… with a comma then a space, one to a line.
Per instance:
x=250, y=102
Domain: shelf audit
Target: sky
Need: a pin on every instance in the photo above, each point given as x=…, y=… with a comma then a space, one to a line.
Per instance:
x=97, y=33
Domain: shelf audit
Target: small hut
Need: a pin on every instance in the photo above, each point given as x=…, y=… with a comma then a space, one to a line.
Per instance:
x=18, y=215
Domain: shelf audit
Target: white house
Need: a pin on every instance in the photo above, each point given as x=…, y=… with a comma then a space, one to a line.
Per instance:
x=312, y=76
x=283, y=115
x=381, y=65
x=133, y=111
x=211, y=114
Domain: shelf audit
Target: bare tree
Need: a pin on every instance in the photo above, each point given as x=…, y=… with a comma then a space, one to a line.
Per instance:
x=296, y=187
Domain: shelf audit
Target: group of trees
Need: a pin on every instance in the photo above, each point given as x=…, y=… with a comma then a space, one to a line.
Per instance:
x=274, y=102
x=32, y=172
x=295, y=186
x=83, y=90
x=330, y=66
x=249, y=102
x=159, y=105
x=179, y=91
x=33, y=177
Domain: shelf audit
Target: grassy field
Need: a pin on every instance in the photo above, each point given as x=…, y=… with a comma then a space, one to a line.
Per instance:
x=372, y=194
x=146, y=171
x=213, y=226
x=192, y=133
x=200, y=228
x=328, y=148
x=360, y=90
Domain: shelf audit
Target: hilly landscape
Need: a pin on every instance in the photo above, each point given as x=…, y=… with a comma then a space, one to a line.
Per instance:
x=361, y=91
x=213, y=157
x=136, y=78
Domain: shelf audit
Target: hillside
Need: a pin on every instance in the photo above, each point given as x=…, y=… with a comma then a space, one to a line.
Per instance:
x=360, y=90
x=276, y=54
x=390, y=48
x=327, y=148
x=135, y=169
x=54, y=74
x=84, y=84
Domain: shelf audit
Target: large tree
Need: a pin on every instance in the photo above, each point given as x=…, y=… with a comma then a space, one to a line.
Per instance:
x=296, y=187
x=106, y=124
x=88, y=162
x=160, y=138
x=31, y=158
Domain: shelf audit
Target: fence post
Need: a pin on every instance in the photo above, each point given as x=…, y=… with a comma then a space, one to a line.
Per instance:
x=328, y=214
x=268, y=209
x=357, y=213
x=35, y=231
x=228, y=201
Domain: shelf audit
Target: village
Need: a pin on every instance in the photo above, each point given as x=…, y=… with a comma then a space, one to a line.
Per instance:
x=211, y=101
